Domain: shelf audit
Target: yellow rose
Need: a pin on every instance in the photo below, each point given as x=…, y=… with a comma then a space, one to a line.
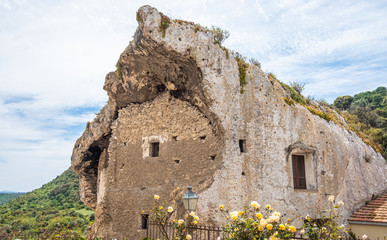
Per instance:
x=255, y=204
x=156, y=197
x=277, y=214
x=196, y=217
x=259, y=215
x=170, y=209
x=161, y=207
x=234, y=215
x=240, y=213
x=282, y=227
x=263, y=223
x=195, y=222
x=292, y=229
x=192, y=214
x=260, y=228
x=221, y=207
x=268, y=207
x=188, y=237
x=180, y=221
x=236, y=229
x=331, y=198
x=269, y=226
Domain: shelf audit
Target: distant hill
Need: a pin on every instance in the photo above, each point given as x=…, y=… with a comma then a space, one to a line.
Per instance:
x=366, y=114
x=8, y=196
x=55, y=207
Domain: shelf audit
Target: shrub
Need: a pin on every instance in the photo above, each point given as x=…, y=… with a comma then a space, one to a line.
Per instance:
x=255, y=62
x=220, y=35
x=164, y=24
x=327, y=227
x=255, y=224
x=161, y=216
x=242, y=66
x=297, y=86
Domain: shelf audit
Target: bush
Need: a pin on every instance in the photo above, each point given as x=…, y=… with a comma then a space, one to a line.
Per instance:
x=297, y=86
x=255, y=224
x=255, y=62
x=327, y=226
x=220, y=35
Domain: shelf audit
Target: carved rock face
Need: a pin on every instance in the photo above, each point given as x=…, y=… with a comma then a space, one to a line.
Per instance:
x=175, y=117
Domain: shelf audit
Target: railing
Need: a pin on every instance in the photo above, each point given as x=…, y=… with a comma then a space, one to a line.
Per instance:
x=204, y=233
x=198, y=232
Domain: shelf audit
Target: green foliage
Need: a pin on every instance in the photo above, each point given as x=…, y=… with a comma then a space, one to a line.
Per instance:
x=295, y=95
x=319, y=113
x=160, y=215
x=255, y=224
x=164, y=24
x=119, y=70
x=220, y=35
x=139, y=18
x=297, y=86
x=327, y=226
x=6, y=197
x=289, y=101
x=343, y=103
x=55, y=207
x=366, y=114
x=242, y=66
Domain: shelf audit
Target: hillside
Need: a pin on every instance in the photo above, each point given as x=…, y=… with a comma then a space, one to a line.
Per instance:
x=6, y=197
x=54, y=207
x=366, y=114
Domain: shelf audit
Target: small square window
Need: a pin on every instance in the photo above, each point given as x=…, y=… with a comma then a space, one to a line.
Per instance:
x=242, y=145
x=154, y=149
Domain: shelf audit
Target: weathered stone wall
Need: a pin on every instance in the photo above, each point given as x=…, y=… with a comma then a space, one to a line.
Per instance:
x=183, y=86
x=188, y=154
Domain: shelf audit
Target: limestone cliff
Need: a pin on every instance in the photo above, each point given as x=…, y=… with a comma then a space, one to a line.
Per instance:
x=176, y=87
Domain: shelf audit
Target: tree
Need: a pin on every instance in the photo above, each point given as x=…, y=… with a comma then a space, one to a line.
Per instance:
x=343, y=103
x=298, y=86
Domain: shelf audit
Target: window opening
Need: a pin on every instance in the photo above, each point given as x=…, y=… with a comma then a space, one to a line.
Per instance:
x=213, y=157
x=299, y=180
x=144, y=221
x=154, y=149
x=202, y=137
x=177, y=160
x=242, y=145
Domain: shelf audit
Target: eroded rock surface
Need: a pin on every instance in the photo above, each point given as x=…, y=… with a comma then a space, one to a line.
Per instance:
x=175, y=117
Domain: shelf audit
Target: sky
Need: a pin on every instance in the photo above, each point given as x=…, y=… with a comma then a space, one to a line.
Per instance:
x=54, y=56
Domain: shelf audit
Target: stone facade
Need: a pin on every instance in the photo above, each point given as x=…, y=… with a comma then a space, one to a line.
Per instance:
x=182, y=93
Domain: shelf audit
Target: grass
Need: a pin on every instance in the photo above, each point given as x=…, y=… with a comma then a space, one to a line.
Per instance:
x=164, y=24
x=242, y=66
x=327, y=113
x=139, y=18
x=85, y=212
x=119, y=70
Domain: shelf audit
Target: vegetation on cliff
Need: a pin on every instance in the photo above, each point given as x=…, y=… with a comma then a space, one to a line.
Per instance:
x=53, y=207
x=366, y=114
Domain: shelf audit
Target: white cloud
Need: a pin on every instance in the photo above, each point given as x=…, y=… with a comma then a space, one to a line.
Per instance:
x=54, y=56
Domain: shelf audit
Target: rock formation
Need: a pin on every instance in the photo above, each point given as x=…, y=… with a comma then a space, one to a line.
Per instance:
x=176, y=117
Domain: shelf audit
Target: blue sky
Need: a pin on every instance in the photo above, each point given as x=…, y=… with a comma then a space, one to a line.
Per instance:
x=54, y=56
